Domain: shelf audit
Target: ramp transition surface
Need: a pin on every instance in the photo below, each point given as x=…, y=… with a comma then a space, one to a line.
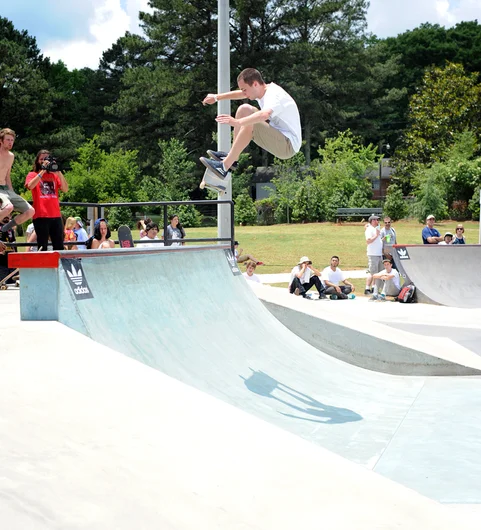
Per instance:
x=443, y=274
x=188, y=315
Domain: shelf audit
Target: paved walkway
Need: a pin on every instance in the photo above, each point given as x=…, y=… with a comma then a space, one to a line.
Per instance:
x=286, y=276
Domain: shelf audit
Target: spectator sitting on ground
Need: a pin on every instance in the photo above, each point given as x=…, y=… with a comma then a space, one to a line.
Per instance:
x=151, y=234
x=448, y=239
x=429, y=234
x=332, y=276
x=249, y=273
x=102, y=235
x=374, y=244
x=303, y=277
x=459, y=238
x=241, y=258
x=141, y=226
x=80, y=232
x=391, y=281
x=69, y=235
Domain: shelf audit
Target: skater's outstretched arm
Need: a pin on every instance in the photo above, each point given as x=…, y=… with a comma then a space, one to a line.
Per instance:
x=210, y=99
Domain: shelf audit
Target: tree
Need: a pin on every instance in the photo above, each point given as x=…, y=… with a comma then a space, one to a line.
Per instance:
x=447, y=103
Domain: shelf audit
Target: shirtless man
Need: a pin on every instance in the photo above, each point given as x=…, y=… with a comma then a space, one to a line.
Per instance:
x=9, y=200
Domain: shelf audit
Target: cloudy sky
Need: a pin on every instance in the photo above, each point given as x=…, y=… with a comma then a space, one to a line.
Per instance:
x=78, y=31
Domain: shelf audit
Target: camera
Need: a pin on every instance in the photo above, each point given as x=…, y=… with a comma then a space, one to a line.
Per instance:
x=50, y=163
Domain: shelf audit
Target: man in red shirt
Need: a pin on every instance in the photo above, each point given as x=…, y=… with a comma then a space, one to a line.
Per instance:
x=44, y=185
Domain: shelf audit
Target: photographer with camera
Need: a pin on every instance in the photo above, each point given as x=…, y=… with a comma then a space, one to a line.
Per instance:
x=45, y=181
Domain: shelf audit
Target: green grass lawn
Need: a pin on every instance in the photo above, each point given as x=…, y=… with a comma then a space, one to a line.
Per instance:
x=281, y=246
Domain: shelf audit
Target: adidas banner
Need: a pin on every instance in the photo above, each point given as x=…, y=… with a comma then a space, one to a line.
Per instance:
x=76, y=278
x=403, y=253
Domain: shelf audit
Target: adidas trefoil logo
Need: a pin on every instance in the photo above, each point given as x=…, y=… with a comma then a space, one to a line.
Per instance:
x=75, y=276
x=402, y=253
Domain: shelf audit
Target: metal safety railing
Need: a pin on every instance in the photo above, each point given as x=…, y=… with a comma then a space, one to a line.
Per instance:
x=99, y=208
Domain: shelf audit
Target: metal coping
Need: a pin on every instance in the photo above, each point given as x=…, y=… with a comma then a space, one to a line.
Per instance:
x=50, y=260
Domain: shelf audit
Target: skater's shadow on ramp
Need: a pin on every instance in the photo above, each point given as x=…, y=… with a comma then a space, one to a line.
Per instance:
x=264, y=385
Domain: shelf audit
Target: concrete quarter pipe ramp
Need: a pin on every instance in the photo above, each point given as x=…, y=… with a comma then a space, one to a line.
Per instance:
x=190, y=314
x=443, y=274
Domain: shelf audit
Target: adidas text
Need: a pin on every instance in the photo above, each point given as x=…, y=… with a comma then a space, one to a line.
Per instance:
x=81, y=290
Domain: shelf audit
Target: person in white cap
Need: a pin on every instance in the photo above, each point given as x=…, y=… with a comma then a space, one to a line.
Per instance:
x=303, y=277
x=448, y=239
x=80, y=232
x=374, y=255
x=429, y=234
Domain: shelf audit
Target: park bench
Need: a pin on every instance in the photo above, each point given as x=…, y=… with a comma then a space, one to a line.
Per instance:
x=358, y=212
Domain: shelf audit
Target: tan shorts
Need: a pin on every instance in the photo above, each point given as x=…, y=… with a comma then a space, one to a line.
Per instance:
x=272, y=140
x=7, y=196
x=374, y=264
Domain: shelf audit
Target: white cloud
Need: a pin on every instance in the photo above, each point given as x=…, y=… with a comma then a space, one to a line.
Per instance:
x=388, y=18
x=108, y=22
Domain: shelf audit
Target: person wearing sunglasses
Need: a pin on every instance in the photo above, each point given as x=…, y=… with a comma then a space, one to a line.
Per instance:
x=389, y=238
x=459, y=236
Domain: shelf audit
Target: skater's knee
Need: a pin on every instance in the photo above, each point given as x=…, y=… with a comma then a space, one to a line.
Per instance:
x=245, y=110
x=6, y=210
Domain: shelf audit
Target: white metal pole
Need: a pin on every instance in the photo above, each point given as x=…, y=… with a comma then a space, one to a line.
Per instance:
x=223, y=107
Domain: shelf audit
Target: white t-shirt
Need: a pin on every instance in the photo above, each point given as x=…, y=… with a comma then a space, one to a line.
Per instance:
x=149, y=245
x=304, y=278
x=396, y=280
x=253, y=278
x=374, y=248
x=335, y=277
x=285, y=114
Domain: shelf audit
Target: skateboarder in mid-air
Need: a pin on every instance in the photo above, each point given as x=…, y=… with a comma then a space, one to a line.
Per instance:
x=276, y=127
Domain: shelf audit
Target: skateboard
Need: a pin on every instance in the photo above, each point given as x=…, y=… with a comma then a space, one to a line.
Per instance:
x=3, y=283
x=212, y=182
x=125, y=237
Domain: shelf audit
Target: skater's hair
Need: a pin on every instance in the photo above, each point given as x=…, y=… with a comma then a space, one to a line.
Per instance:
x=252, y=264
x=36, y=165
x=98, y=235
x=4, y=133
x=249, y=75
x=151, y=225
x=335, y=257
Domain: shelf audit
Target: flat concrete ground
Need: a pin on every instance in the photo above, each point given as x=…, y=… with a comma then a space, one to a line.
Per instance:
x=79, y=424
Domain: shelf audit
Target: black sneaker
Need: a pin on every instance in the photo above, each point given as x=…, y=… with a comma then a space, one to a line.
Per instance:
x=216, y=167
x=322, y=296
x=367, y=291
x=219, y=156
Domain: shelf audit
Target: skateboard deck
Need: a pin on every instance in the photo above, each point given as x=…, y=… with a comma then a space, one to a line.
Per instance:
x=3, y=283
x=212, y=182
x=125, y=237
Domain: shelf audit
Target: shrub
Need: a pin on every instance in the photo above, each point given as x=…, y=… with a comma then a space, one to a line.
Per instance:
x=244, y=210
x=395, y=206
x=266, y=209
x=459, y=211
